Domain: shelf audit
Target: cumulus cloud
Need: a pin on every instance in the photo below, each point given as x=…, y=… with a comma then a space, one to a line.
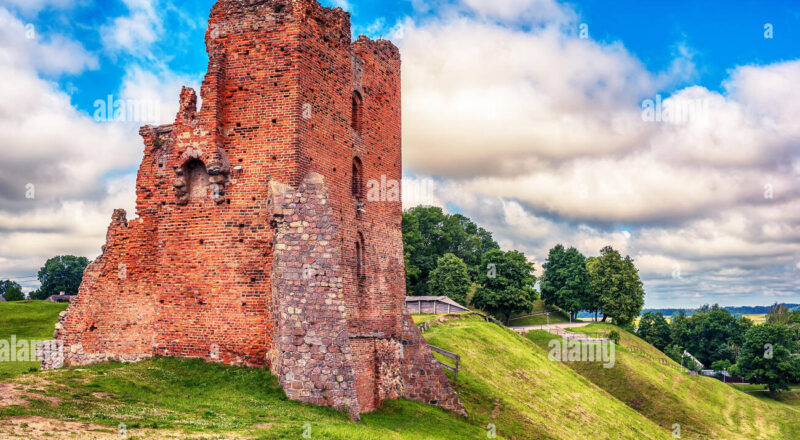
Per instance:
x=63, y=171
x=135, y=32
x=23, y=48
x=568, y=140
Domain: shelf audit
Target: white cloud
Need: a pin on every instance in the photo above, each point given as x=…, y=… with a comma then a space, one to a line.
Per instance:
x=136, y=32
x=24, y=48
x=30, y=8
x=553, y=147
x=537, y=11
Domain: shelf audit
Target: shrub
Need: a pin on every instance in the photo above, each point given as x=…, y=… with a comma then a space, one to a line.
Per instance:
x=614, y=336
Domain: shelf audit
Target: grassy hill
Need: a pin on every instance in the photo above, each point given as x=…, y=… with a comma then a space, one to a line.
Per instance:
x=506, y=382
x=703, y=407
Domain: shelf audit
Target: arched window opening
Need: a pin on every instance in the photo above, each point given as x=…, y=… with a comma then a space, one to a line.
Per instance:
x=358, y=109
x=357, y=182
x=196, y=176
x=361, y=275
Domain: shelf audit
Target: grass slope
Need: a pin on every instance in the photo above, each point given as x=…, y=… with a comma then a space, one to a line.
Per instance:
x=505, y=380
x=28, y=321
x=703, y=407
x=167, y=397
x=190, y=396
x=508, y=381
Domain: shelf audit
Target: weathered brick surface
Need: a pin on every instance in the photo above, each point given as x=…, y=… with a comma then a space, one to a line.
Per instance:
x=254, y=244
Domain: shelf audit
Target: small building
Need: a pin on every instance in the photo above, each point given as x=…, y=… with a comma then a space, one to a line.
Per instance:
x=2, y=299
x=59, y=298
x=432, y=304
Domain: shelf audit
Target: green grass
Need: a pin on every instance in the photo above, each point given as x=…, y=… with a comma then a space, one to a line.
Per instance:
x=420, y=318
x=29, y=321
x=192, y=396
x=508, y=381
x=704, y=407
x=539, y=306
x=505, y=380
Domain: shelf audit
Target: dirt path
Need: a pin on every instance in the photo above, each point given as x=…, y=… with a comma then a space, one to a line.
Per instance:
x=548, y=327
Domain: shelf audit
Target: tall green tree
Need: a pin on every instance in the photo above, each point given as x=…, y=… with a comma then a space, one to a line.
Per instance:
x=565, y=282
x=429, y=234
x=711, y=334
x=654, y=329
x=591, y=300
x=450, y=278
x=61, y=274
x=13, y=292
x=621, y=290
x=506, y=285
x=767, y=358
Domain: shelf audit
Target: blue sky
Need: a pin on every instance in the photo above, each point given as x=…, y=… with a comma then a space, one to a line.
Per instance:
x=540, y=101
x=721, y=35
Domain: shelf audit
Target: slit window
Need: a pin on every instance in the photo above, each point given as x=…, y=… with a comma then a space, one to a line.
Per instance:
x=360, y=272
x=357, y=183
x=357, y=112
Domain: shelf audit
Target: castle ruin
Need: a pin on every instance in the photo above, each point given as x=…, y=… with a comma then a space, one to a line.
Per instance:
x=255, y=242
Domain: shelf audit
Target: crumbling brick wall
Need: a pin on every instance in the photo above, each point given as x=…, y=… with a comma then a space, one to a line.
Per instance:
x=297, y=122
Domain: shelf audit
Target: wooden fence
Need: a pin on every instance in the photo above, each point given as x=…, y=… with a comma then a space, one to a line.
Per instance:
x=450, y=355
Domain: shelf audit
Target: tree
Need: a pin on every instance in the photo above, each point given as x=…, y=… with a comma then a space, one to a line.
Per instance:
x=506, y=284
x=779, y=314
x=766, y=357
x=654, y=329
x=721, y=365
x=450, y=278
x=565, y=282
x=591, y=300
x=14, y=293
x=61, y=274
x=429, y=234
x=7, y=284
x=621, y=290
x=711, y=334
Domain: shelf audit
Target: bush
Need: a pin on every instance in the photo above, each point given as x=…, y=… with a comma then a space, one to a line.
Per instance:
x=614, y=336
x=14, y=293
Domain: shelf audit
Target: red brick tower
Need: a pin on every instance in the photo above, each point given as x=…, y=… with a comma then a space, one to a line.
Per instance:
x=269, y=220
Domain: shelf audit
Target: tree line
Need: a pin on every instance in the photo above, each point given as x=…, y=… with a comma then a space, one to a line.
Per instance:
x=449, y=255
x=762, y=354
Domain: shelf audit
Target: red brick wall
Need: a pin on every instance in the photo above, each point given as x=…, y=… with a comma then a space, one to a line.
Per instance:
x=209, y=267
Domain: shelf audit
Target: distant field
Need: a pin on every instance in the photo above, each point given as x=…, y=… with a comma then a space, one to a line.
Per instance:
x=26, y=321
x=757, y=319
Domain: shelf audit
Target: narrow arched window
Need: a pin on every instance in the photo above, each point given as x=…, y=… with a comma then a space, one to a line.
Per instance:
x=361, y=275
x=357, y=180
x=357, y=112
